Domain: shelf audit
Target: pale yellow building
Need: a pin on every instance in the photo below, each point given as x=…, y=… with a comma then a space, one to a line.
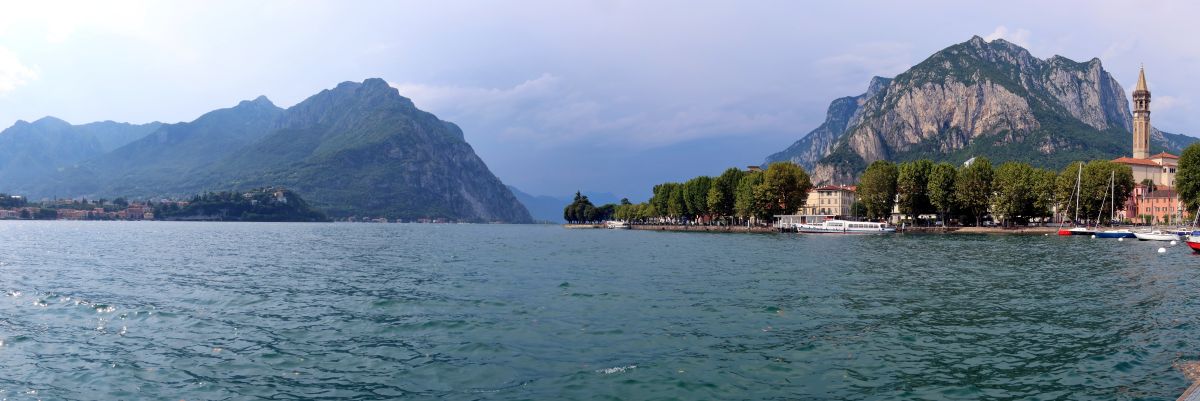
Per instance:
x=830, y=200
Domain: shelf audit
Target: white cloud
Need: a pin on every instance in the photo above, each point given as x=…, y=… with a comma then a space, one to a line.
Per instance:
x=12, y=72
x=1020, y=36
x=1166, y=102
x=850, y=71
x=548, y=112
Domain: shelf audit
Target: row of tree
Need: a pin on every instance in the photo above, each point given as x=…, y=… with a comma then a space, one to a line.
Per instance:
x=734, y=196
x=1012, y=192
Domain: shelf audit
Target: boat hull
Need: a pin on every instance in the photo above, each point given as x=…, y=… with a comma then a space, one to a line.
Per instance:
x=1075, y=231
x=1156, y=236
x=1115, y=234
x=1194, y=245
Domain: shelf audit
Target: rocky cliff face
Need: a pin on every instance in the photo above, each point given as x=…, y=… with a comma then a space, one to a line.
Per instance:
x=819, y=142
x=976, y=98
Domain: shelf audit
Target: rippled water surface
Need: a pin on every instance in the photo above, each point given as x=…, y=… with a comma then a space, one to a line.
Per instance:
x=94, y=310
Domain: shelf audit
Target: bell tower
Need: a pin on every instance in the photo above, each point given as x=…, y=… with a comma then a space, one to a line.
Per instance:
x=1141, y=118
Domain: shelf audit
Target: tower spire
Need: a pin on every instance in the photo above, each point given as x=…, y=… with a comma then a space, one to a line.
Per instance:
x=1141, y=84
x=1141, y=117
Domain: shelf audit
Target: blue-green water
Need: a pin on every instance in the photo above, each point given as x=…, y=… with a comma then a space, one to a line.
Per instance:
x=198, y=311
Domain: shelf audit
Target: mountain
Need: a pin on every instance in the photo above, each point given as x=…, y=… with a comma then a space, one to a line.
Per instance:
x=359, y=149
x=29, y=150
x=543, y=208
x=976, y=98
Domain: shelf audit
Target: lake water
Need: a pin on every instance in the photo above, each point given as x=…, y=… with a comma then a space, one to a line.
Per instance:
x=112, y=310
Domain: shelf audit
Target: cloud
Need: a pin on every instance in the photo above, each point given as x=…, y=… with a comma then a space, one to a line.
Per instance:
x=850, y=71
x=12, y=72
x=548, y=112
x=1020, y=36
x=1167, y=102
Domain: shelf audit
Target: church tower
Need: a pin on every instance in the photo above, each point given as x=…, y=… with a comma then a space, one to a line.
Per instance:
x=1141, y=118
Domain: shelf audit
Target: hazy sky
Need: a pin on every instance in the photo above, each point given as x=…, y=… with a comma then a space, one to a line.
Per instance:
x=555, y=96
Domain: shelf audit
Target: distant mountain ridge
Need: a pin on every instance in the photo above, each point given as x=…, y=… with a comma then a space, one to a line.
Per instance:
x=359, y=149
x=50, y=144
x=546, y=208
x=976, y=98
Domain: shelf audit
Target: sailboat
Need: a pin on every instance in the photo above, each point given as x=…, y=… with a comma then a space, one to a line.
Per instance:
x=1077, y=230
x=1193, y=240
x=1157, y=234
x=1115, y=233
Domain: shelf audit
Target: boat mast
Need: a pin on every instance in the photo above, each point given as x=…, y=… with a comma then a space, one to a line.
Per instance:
x=1112, y=183
x=1078, y=193
x=1100, y=214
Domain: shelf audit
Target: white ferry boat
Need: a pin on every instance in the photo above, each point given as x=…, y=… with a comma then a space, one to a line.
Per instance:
x=846, y=227
x=617, y=224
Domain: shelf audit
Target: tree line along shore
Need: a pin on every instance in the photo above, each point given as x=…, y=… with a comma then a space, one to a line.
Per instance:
x=1010, y=194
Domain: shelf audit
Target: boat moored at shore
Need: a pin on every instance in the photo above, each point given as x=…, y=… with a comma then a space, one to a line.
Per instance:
x=1076, y=231
x=845, y=227
x=1119, y=233
x=1157, y=235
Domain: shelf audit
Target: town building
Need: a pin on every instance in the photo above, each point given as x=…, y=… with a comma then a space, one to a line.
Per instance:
x=1153, y=176
x=830, y=200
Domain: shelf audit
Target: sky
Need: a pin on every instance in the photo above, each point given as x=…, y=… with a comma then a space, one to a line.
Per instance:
x=558, y=96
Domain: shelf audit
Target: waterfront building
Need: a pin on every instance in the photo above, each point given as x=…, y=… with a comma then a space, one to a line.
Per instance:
x=830, y=200
x=1153, y=176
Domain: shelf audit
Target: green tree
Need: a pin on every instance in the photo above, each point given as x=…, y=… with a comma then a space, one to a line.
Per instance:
x=912, y=187
x=973, y=187
x=676, y=205
x=1187, y=177
x=580, y=210
x=1044, y=188
x=941, y=188
x=695, y=195
x=662, y=198
x=784, y=189
x=1095, y=200
x=1014, y=193
x=877, y=189
x=722, y=196
x=746, y=204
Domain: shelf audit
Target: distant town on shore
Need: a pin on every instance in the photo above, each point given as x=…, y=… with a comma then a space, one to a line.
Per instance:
x=262, y=204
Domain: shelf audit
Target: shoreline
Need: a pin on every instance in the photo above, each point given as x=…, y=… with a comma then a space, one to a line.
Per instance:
x=762, y=230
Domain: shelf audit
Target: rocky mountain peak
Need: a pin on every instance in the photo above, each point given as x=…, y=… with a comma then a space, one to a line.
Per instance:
x=877, y=84
x=975, y=98
x=50, y=122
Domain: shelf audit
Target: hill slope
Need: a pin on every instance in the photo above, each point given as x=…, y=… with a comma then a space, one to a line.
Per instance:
x=30, y=151
x=357, y=149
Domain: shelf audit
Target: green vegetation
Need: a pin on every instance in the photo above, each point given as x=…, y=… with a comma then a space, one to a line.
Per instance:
x=783, y=190
x=973, y=187
x=912, y=185
x=1093, y=185
x=877, y=189
x=10, y=201
x=582, y=211
x=266, y=204
x=1187, y=178
x=734, y=197
x=940, y=188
